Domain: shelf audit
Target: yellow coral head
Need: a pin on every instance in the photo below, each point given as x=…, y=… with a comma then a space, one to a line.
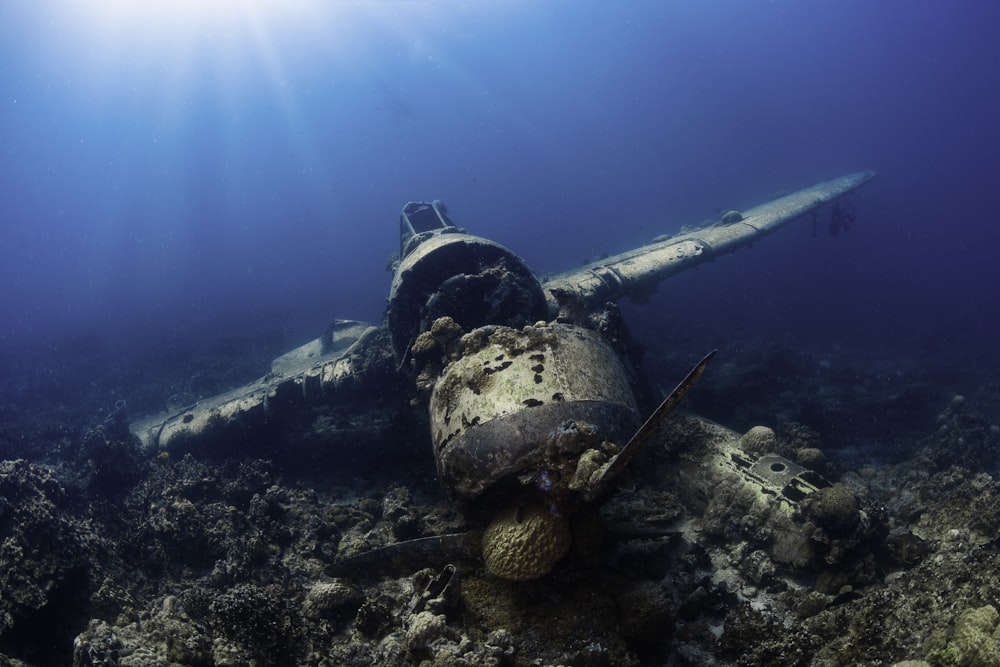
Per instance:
x=523, y=542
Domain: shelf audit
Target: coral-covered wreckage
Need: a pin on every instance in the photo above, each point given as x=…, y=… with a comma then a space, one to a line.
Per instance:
x=223, y=562
x=470, y=484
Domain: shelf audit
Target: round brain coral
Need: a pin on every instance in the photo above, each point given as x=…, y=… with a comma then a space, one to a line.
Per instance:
x=759, y=439
x=834, y=507
x=524, y=542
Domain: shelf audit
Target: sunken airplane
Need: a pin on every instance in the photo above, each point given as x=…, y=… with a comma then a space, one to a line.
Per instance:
x=522, y=389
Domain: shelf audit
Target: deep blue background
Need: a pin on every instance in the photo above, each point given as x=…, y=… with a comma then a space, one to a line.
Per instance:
x=168, y=175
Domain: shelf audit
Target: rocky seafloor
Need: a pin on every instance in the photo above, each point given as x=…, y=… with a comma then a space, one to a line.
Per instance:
x=113, y=556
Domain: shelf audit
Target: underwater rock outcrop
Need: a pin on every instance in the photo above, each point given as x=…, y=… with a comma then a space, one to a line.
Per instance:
x=47, y=556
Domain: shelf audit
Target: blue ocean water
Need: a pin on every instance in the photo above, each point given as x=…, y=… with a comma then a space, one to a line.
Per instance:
x=204, y=170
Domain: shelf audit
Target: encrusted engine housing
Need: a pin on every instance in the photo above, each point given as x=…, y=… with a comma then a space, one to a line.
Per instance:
x=501, y=400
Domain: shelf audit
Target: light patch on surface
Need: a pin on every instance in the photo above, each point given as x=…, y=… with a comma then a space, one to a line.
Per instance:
x=186, y=11
x=192, y=15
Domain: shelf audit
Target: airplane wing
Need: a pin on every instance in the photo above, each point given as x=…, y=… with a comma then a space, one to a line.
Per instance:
x=638, y=271
x=322, y=370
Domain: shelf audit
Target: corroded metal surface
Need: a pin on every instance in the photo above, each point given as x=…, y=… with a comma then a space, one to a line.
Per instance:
x=471, y=279
x=617, y=465
x=495, y=406
x=303, y=374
